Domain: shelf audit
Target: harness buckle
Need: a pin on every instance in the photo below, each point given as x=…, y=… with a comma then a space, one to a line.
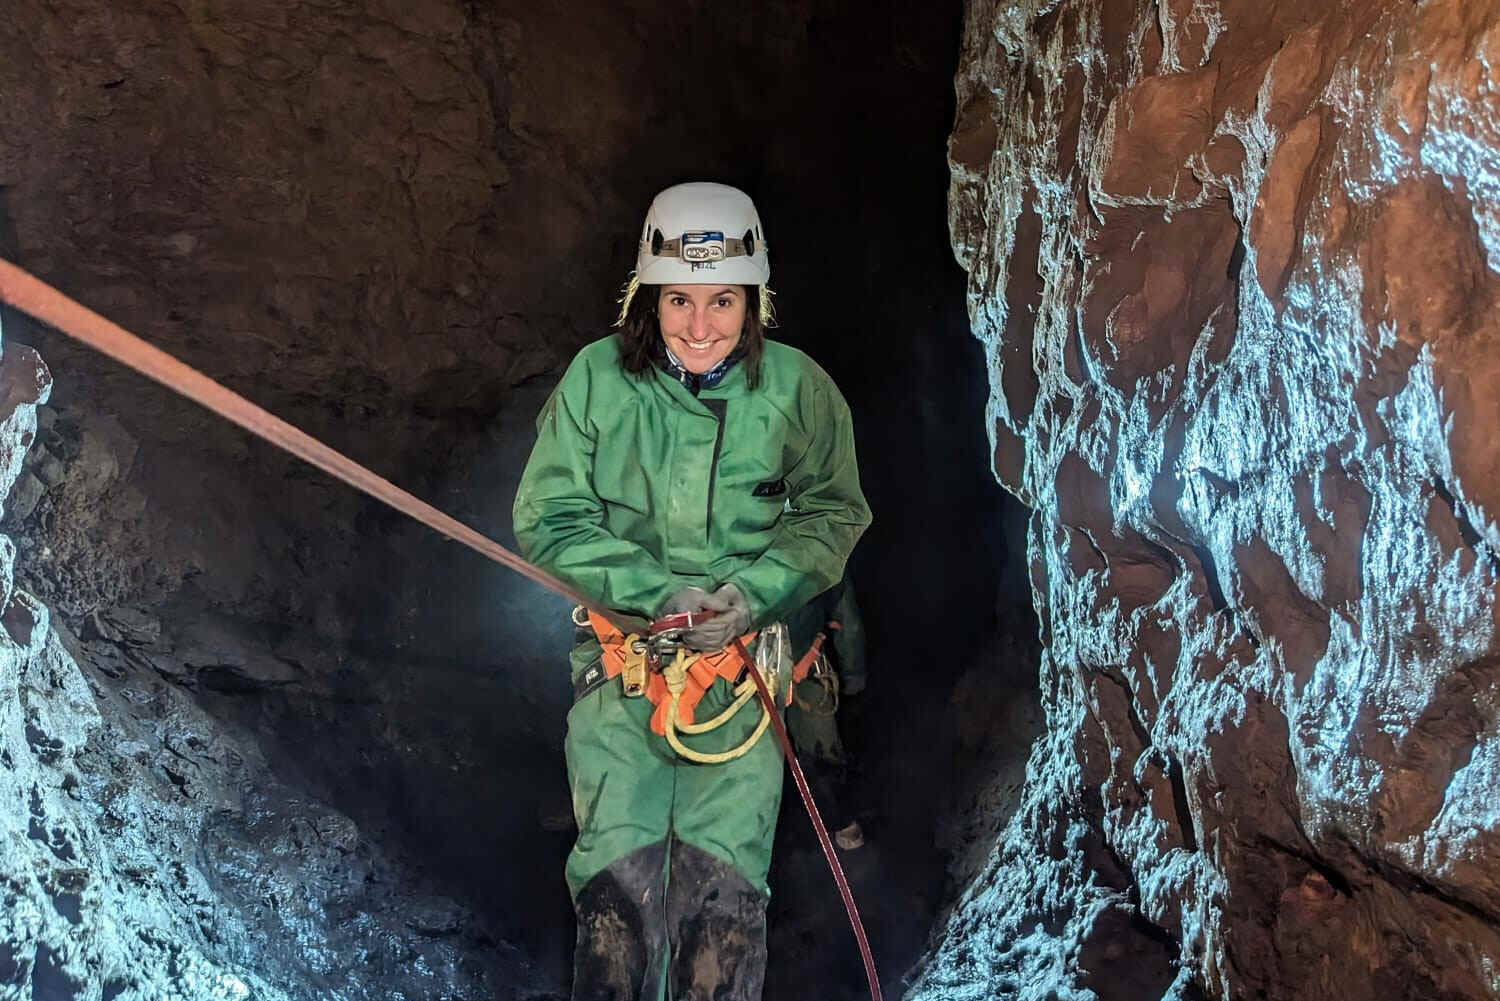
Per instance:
x=633, y=673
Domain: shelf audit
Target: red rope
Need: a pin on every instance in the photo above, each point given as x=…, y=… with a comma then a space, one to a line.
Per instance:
x=38, y=299
x=32, y=296
x=769, y=704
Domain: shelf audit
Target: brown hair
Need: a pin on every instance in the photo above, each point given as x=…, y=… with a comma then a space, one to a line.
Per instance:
x=641, y=346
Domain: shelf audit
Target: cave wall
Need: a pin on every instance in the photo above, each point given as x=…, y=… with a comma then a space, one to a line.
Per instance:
x=319, y=205
x=1235, y=268
x=147, y=850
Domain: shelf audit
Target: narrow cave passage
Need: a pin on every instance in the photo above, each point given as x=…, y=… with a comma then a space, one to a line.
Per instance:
x=398, y=245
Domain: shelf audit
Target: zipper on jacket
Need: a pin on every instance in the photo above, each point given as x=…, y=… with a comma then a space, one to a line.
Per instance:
x=719, y=408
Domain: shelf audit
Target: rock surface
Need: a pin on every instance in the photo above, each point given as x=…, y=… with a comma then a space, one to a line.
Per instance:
x=313, y=204
x=1235, y=266
x=148, y=852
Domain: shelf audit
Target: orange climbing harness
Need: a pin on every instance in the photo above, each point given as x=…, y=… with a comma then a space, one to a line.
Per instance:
x=622, y=654
x=804, y=666
x=40, y=300
x=815, y=665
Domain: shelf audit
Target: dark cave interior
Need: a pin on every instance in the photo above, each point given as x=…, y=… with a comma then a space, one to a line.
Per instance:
x=407, y=683
x=1215, y=301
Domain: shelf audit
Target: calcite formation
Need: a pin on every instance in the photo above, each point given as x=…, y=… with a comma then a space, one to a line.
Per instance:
x=1235, y=268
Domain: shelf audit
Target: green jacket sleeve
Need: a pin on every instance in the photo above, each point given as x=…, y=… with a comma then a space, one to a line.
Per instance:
x=559, y=518
x=826, y=514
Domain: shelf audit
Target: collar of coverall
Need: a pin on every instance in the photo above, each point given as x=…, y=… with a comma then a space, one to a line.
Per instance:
x=694, y=383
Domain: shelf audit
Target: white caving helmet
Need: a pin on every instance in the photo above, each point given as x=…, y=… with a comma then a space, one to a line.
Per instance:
x=700, y=233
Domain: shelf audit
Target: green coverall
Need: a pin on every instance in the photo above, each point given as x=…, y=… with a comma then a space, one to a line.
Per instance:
x=635, y=489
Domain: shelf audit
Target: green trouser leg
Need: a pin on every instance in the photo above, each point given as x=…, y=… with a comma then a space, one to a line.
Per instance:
x=668, y=874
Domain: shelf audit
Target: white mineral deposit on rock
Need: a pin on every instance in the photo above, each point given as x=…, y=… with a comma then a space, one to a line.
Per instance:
x=1235, y=272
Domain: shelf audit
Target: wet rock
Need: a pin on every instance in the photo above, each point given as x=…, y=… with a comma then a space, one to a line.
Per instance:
x=48, y=469
x=168, y=666
x=1235, y=268
x=95, y=627
x=7, y=569
x=26, y=621
x=86, y=534
x=105, y=657
x=436, y=917
x=24, y=382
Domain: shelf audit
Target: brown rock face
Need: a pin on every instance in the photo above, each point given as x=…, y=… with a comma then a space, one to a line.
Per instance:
x=1235, y=266
x=307, y=202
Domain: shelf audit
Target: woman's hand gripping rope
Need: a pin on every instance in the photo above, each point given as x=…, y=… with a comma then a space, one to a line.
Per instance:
x=714, y=618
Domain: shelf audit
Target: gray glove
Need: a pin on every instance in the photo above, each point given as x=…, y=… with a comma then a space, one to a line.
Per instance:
x=733, y=619
x=689, y=599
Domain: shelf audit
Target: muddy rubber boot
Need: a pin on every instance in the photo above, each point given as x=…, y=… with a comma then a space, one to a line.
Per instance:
x=718, y=928
x=621, y=950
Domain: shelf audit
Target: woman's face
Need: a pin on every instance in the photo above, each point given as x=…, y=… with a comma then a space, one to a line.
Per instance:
x=701, y=323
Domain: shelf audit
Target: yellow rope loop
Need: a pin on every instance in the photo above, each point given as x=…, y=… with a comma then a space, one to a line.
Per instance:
x=675, y=675
x=743, y=694
x=719, y=758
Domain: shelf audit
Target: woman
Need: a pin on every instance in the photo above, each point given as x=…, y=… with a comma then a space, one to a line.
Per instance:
x=684, y=464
